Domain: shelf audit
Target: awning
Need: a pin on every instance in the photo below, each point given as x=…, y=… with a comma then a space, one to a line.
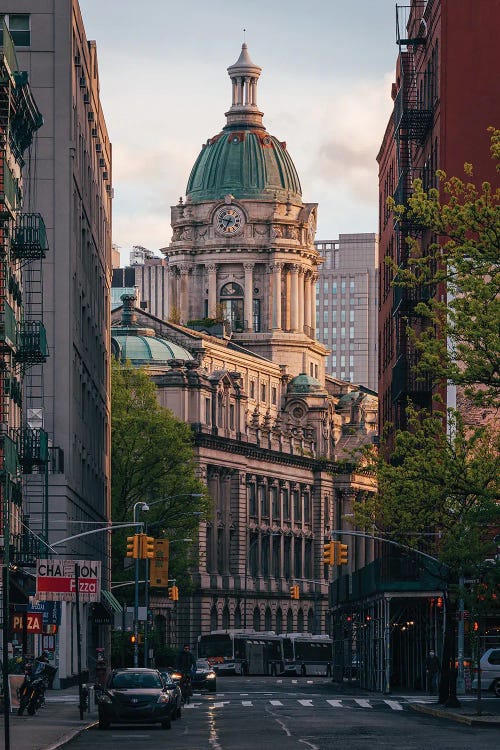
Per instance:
x=111, y=602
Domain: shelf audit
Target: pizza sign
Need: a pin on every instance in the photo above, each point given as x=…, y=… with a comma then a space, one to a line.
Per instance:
x=56, y=580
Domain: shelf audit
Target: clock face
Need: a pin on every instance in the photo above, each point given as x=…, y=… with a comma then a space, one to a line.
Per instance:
x=228, y=220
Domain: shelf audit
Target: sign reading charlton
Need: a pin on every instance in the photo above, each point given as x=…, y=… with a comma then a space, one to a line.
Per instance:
x=55, y=580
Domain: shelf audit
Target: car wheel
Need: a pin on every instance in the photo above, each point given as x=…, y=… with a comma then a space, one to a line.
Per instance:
x=496, y=688
x=166, y=724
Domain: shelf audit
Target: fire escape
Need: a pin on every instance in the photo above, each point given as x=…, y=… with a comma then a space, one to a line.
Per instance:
x=413, y=120
x=23, y=343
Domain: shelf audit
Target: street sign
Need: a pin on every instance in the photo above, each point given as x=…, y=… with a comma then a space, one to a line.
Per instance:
x=55, y=580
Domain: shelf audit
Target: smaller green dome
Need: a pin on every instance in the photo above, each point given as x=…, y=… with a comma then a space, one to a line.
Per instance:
x=142, y=347
x=304, y=383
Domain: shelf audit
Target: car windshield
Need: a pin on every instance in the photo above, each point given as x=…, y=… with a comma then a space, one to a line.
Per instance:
x=202, y=664
x=135, y=680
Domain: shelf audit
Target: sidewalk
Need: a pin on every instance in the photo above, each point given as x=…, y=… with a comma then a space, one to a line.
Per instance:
x=465, y=714
x=52, y=726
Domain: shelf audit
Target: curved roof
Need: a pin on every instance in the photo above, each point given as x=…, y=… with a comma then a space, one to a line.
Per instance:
x=304, y=383
x=142, y=347
x=246, y=163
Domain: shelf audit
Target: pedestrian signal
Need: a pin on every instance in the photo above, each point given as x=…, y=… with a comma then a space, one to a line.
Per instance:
x=329, y=553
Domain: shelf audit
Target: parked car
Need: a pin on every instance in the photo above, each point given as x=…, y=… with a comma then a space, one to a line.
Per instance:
x=173, y=688
x=135, y=696
x=490, y=671
x=204, y=677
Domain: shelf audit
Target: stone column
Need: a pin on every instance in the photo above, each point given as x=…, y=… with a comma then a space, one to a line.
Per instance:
x=276, y=318
x=300, y=322
x=314, y=278
x=294, y=298
x=184, y=294
x=248, y=304
x=288, y=292
x=269, y=290
x=212, y=290
x=172, y=292
x=307, y=300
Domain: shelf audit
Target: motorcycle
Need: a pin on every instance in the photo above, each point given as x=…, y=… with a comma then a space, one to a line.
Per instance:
x=32, y=691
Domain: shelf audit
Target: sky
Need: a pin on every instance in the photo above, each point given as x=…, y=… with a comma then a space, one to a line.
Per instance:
x=327, y=68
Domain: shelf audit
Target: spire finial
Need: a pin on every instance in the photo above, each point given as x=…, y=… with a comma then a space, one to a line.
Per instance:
x=244, y=36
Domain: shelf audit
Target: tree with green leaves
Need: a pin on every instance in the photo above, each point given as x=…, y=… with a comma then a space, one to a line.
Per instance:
x=152, y=460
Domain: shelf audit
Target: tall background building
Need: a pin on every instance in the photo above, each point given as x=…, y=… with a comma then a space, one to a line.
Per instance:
x=147, y=274
x=346, y=307
x=71, y=188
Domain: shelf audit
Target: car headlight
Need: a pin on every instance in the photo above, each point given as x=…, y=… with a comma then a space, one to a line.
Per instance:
x=210, y=675
x=176, y=676
x=163, y=698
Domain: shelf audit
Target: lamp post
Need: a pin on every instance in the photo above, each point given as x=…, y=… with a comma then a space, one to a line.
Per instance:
x=144, y=507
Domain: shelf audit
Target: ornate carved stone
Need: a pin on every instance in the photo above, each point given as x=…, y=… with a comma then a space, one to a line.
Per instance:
x=276, y=231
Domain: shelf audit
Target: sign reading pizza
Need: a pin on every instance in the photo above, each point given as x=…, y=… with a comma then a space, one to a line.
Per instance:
x=56, y=580
x=31, y=621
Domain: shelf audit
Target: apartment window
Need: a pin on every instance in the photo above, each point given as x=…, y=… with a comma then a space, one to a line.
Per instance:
x=334, y=361
x=342, y=316
x=287, y=556
x=274, y=395
x=351, y=332
x=351, y=285
x=351, y=316
x=252, y=389
x=334, y=333
x=334, y=316
x=264, y=501
x=342, y=332
x=263, y=392
x=256, y=315
x=231, y=416
x=19, y=27
x=325, y=333
x=325, y=302
x=307, y=507
x=325, y=316
x=342, y=286
x=342, y=360
x=325, y=287
x=208, y=410
x=334, y=287
x=297, y=506
x=285, y=497
x=275, y=506
x=351, y=360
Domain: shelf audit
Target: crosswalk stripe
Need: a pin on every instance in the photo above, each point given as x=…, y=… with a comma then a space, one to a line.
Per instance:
x=307, y=703
x=276, y=703
x=363, y=703
x=246, y=703
x=395, y=705
x=335, y=703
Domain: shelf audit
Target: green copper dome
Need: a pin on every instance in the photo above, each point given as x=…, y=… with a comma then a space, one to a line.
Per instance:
x=304, y=383
x=142, y=347
x=246, y=163
x=244, y=160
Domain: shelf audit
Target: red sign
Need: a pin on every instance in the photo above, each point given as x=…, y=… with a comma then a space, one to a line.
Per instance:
x=56, y=580
x=33, y=620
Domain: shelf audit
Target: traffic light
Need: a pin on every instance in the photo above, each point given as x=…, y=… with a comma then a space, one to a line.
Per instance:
x=342, y=551
x=147, y=547
x=133, y=546
x=132, y=639
x=173, y=593
x=294, y=592
x=329, y=553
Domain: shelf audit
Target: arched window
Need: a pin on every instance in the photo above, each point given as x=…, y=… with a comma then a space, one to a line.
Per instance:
x=279, y=621
x=214, y=619
x=289, y=621
x=268, y=620
x=310, y=621
x=256, y=619
x=232, y=304
x=237, y=618
x=225, y=618
x=300, y=621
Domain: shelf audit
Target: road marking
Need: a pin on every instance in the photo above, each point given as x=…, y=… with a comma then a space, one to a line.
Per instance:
x=279, y=681
x=363, y=703
x=191, y=705
x=276, y=703
x=395, y=705
x=335, y=703
x=220, y=704
x=294, y=682
x=244, y=693
x=307, y=703
x=310, y=682
x=246, y=703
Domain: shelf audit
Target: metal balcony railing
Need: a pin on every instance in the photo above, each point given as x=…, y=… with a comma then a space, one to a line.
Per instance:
x=29, y=241
x=32, y=343
x=405, y=379
x=9, y=457
x=413, y=108
x=33, y=448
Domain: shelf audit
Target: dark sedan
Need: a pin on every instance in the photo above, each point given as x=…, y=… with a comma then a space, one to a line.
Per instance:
x=204, y=677
x=135, y=696
x=173, y=688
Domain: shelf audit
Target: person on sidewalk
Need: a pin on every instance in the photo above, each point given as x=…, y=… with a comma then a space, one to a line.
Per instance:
x=432, y=669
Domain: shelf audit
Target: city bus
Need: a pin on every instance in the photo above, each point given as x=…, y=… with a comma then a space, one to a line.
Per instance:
x=242, y=652
x=304, y=653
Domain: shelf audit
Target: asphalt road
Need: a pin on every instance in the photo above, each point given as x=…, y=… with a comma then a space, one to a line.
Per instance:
x=301, y=714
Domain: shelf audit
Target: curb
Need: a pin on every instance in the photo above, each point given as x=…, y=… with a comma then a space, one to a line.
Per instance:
x=69, y=736
x=471, y=721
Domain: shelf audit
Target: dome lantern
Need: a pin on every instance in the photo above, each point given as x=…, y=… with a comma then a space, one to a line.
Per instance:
x=244, y=76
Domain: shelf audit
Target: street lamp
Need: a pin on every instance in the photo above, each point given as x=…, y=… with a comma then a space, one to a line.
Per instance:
x=140, y=505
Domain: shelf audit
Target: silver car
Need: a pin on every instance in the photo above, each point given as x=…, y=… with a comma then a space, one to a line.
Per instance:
x=490, y=671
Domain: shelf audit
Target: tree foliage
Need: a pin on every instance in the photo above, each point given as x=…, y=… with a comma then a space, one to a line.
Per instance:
x=439, y=492
x=152, y=460
x=464, y=220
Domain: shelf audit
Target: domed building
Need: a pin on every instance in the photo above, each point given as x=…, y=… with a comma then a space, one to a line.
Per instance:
x=248, y=374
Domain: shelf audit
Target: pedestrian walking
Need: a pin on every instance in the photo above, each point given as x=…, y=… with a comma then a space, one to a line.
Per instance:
x=432, y=669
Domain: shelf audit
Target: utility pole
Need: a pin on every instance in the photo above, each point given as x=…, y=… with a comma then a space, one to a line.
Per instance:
x=78, y=639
